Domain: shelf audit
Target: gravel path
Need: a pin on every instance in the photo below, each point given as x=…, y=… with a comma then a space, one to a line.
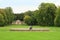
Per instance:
x=27, y=29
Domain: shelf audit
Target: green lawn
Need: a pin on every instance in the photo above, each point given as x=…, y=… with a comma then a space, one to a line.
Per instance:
x=6, y=34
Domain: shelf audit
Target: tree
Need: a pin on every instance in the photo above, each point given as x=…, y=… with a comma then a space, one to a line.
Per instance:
x=19, y=16
x=35, y=15
x=30, y=13
x=6, y=16
x=57, y=18
x=29, y=20
x=9, y=14
x=46, y=14
x=31, y=17
x=2, y=11
x=2, y=21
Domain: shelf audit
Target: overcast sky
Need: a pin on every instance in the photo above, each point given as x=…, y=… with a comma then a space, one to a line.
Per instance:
x=19, y=6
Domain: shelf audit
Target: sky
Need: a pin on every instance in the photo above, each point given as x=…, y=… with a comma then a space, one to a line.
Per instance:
x=20, y=6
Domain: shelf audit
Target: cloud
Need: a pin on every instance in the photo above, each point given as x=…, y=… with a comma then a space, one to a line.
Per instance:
x=19, y=6
x=23, y=9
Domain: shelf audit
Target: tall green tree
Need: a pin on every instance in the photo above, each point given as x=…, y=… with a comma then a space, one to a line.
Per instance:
x=30, y=18
x=2, y=11
x=46, y=14
x=2, y=21
x=10, y=15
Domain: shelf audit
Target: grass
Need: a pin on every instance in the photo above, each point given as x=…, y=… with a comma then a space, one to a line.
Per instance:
x=5, y=34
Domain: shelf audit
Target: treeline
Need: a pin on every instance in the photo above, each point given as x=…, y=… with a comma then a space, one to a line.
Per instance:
x=6, y=16
x=48, y=14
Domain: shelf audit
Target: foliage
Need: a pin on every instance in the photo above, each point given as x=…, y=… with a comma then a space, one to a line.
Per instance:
x=2, y=11
x=46, y=14
x=9, y=14
x=2, y=20
x=31, y=18
x=6, y=16
x=57, y=18
x=28, y=20
x=29, y=13
x=19, y=16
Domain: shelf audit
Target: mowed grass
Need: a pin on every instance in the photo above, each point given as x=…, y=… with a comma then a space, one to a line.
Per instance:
x=6, y=34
